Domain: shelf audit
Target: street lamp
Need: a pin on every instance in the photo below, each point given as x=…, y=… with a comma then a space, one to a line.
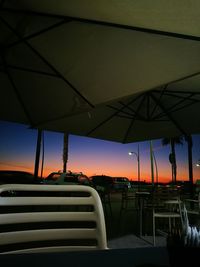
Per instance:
x=138, y=161
x=198, y=163
x=153, y=161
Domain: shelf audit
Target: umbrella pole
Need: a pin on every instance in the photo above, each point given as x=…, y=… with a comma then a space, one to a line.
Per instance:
x=42, y=165
x=138, y=160
x=189, y=142
x=37, y=155
x=65, y=152
x=152, y=163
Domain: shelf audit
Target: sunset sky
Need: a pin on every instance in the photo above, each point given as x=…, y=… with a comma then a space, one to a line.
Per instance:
x=91, y=156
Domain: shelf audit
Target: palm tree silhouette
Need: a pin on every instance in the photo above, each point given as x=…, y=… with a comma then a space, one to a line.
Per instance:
x=65, y=152
x=172, y=156
x=188, y=139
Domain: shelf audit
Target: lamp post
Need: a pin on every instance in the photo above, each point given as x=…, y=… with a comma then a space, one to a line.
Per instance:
x=198, y=163
x=152, y=165
x=156, y=168
x=138, y=161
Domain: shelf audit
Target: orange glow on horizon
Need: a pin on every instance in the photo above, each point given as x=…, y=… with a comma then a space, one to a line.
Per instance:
x=145, y=175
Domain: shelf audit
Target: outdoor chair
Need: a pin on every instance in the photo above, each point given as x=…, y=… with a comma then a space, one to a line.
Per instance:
x=128, y=204
x=191, y=233
x=193, y=205
x=47, y=218
x=166, y=206
x=128, y=201
x=104, y=193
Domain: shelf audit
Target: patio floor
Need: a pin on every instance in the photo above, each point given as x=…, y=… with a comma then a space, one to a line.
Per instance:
x=123, y=230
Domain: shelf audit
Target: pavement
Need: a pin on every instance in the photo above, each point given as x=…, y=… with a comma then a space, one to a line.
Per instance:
x=133, y=241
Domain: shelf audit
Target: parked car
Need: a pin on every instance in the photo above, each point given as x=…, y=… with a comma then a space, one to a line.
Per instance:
x=121, y=183
x=197, y=186
x=183, y=186
x=17, y=177
x=63, y=178
x=102, y=182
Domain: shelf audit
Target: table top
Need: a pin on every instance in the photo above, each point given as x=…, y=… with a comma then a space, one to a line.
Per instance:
x=143, y=193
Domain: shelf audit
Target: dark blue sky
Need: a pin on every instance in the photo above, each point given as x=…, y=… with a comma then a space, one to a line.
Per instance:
x=89, y=155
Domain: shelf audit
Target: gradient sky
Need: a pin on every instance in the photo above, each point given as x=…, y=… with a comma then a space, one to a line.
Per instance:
x=91, y=156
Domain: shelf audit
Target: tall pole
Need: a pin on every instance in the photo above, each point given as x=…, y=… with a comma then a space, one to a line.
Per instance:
x=138, y=160
x=190, y=165
x=152, y=165
x=65, y=152
x=42, y=165
x=156, y=167
x=37, y=155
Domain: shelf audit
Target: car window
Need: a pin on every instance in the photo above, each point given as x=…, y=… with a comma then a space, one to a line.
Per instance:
x=102, y=180
x=82, y=179
x=121, y=179
x=53, y=177
x=71, y=179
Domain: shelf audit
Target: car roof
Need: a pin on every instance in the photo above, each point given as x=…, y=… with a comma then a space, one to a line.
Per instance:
x=68, y=173
x=10, y=176
x=2, y=172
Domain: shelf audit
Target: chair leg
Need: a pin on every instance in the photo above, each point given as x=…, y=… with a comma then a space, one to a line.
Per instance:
x=154, y=231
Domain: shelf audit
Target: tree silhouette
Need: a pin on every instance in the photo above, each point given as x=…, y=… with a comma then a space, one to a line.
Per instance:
x=188, y=139
x=172, y=156
x=65, y=152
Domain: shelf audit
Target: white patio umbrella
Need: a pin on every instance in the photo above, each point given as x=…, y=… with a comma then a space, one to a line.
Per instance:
x=163, y=112
x=60, y=58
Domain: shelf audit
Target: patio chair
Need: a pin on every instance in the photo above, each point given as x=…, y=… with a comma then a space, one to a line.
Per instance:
x=46, y=218
x=104, y=193
x=128, y=200
x=193, y=205
x=166, y=206
x=128, y=204
x=191, y=233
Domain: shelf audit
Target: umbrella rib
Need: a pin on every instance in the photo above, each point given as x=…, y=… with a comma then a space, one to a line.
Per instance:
x=131, y=109
x=32, y=70
x=168, y=115
x=36, y=33
x=67, y=115
x=106, y=23
x=175, y=106
x=160, y=115
x=179, y=80
x=182, y=97
x=181, y=92
x=174, y=110
x=47, y=63
x=161, y=94
x=133, y=119
x=172, y=93
x=17, y=92
x=124, y=112
x=111, y=116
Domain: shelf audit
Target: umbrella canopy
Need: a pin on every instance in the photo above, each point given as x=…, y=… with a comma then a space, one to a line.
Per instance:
x=60, y=58
x=163, y=112
x=168, y=16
